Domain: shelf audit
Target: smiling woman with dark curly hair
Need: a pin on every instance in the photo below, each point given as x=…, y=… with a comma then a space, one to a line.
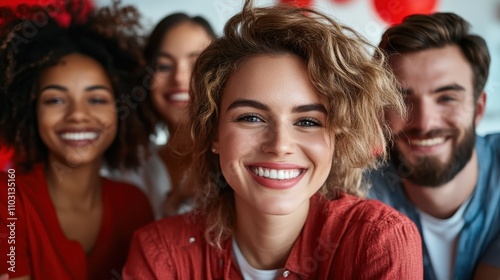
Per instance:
x=62, y=109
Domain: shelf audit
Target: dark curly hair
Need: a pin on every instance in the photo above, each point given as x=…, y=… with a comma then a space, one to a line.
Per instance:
x=30, y=45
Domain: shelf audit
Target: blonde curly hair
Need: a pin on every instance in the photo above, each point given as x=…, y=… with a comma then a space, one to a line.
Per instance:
x=358, y=90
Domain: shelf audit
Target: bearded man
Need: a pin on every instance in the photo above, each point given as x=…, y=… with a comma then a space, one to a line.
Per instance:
x=442, y=175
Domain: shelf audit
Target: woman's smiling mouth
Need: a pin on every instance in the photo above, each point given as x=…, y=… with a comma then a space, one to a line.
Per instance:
x=276, y=174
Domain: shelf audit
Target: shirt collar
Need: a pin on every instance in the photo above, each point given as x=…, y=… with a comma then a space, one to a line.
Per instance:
x=307, y=253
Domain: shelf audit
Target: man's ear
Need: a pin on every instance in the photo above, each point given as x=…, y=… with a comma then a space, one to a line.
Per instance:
x=480, y=108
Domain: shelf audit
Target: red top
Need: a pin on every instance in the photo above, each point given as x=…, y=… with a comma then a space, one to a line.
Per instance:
x=346, y=238
x=6, y=156
x=42, y=250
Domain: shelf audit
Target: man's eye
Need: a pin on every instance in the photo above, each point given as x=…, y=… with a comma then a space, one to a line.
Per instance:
x=446, y=98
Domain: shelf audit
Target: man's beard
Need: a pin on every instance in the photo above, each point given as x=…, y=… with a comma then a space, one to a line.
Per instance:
x=429, y=171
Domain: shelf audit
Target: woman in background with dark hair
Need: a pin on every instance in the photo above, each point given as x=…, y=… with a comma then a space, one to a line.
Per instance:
x=59, y=98
x=170, y=52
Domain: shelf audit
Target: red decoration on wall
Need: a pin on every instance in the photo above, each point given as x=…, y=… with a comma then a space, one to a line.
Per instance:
x=394, y=11
x=56, y=9
x=298, y=3
x=15, y=3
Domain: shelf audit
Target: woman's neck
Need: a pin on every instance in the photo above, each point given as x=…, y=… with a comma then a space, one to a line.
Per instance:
x=72, y=187
x=267, y=240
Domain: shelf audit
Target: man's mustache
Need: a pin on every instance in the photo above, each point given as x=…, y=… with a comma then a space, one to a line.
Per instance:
x=418, y=133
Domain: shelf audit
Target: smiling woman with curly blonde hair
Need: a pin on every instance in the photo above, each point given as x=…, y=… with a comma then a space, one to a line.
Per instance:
x=285, y=117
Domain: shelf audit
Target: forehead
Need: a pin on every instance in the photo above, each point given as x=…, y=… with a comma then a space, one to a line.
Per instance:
x=74, y=69
x=276, y=79
x=185, y=35
x=429, y=69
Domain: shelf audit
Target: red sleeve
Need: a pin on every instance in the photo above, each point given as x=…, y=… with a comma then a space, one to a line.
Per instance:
x=148, y=257
x=145, y=212
x=395, y=252
x=129, y=205
x=6, y=155
x=14, y=256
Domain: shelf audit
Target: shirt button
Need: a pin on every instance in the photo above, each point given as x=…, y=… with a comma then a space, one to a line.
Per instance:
x=286, y=273
x=192, y=239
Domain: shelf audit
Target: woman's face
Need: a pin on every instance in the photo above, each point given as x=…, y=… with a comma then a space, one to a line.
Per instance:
x=176, y=56
x=274, y=148
x=76, y=112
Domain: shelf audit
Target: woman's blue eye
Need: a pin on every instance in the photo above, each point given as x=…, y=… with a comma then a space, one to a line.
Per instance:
x=309, y=122
x=249, y=118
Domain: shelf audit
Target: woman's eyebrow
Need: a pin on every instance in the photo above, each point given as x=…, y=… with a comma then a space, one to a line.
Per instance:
x=310, y=107
x=248, y=103
x=260, y=106
x=65, y=89
x=56, y=87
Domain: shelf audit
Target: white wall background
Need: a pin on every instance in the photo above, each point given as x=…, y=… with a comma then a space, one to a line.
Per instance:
x=484, y=16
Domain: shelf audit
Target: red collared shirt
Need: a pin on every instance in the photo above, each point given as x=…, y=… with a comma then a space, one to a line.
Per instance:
x=346, y=238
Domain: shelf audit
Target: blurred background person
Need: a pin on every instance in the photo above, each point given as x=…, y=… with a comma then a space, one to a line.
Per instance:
x=59, y=99
x=170, y=52
x=9, y=10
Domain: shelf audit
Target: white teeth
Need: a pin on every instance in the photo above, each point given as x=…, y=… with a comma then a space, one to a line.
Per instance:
x=79, y=136
x=179, y=96
x=276, y=174
x=428, y=142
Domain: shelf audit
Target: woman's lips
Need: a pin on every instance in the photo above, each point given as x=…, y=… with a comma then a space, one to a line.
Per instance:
x=177, y=98
x=276, y=176
x=78, y=137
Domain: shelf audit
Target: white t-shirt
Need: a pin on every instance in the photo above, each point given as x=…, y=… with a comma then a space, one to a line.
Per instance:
x=440, y=238
x=248, y=272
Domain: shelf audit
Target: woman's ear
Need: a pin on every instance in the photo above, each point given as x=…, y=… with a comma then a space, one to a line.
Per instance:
x=215, y=146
